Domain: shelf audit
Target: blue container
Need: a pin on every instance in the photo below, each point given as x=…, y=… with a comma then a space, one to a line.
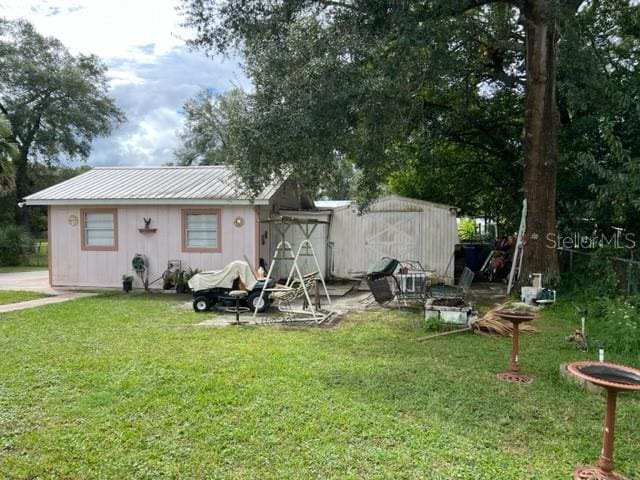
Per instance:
x=471, y=257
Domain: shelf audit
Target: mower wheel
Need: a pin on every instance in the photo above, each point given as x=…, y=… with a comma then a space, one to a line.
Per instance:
x=201, y=304
x=254, y=302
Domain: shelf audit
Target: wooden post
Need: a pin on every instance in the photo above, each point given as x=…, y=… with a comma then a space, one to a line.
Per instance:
x=571, y=260
x=629, y=272
x=316, y=290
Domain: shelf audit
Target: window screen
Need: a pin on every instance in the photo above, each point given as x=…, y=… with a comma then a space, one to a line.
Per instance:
x=201, y=230
x=99, y=229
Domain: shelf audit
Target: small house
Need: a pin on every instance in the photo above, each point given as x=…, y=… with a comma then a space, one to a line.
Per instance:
x=197, y=216
x=201, y=217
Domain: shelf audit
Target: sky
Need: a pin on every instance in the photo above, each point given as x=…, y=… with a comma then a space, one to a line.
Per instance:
x=151, y=71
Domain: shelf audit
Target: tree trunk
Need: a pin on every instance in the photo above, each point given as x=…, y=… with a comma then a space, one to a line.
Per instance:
x=23, y=186
x=540, y=141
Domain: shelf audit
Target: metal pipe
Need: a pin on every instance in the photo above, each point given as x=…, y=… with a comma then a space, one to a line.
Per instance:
x=515, y=347
x=606, y=456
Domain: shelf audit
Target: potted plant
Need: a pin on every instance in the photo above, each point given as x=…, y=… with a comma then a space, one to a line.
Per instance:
x=181, y=283
x=187, y=275
x=127, y=282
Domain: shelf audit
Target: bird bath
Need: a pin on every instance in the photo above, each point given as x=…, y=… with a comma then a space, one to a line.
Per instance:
x=614, y=378
x=516, y=318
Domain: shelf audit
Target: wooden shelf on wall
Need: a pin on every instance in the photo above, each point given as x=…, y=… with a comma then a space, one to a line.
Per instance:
x=145, y=231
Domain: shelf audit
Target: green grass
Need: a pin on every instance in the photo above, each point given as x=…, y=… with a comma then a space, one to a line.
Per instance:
x=15, y=296
x=127, y=387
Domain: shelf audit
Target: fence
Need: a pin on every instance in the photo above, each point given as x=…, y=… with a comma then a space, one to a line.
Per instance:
x=35, y=254
x=625, y=272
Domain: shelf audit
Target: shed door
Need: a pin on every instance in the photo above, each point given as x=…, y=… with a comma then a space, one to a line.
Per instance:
x=392, y=234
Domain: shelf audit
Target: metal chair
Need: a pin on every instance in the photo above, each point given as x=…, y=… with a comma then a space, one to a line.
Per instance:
x=379, y=276
x=381, y=289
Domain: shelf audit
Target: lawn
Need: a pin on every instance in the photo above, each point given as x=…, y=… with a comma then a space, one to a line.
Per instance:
x=15, y=296
x=127, y=387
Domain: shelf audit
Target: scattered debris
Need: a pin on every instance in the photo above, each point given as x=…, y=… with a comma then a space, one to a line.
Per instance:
x=447, y=302
x=491, y=324
x=442, y=334
x=578, y=339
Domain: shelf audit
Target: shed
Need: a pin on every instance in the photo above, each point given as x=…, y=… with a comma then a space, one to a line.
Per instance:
x=200, y=216
x=393, y=226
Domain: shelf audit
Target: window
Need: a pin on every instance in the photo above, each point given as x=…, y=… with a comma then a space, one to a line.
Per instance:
x=99, y=229
x=201, y=230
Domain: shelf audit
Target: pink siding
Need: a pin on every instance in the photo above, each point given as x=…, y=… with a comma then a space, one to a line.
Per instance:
x=71, y=266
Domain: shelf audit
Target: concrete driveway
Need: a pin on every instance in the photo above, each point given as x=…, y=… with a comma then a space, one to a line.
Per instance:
x=37, y=281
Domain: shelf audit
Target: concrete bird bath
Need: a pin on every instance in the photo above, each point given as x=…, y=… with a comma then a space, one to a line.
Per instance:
x=516, y=318
x=614, y=378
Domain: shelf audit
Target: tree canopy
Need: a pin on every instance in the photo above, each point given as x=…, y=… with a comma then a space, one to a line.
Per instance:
x=56, y=103
x=599, y=94
x=474, y=103
x=373, y=82
x=211, y=133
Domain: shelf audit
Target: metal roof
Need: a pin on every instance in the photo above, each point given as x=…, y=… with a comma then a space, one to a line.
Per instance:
x=341, y=204
x=330, y=204
x=126, y=185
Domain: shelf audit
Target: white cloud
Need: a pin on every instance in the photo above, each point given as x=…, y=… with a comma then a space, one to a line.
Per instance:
x=153, y=100
x=123, y=77
x=108, y=28
x=151, y=72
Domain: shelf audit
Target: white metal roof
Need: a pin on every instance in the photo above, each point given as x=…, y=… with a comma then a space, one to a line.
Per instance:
x=341, y=204
x=330, y=204
x=167, y=185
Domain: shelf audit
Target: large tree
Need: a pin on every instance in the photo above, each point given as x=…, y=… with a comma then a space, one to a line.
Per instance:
x=461, y=162
x=56, y=102
x=211, y=131
x=362, y=77
x=220, y=128
x=7, y=152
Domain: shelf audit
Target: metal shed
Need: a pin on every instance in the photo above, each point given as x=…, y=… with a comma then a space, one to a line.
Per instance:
x=394, y=226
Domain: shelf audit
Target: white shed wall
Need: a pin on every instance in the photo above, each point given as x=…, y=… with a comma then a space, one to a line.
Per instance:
x=71, y=266
x=396, y=227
